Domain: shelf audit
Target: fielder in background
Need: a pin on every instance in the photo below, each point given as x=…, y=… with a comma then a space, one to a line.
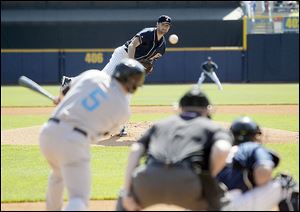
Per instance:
x=248, y=174
x=208, y=69
x=94, y=105
x=183, y=154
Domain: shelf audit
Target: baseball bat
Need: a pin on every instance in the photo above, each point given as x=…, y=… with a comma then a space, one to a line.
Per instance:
x=28, y=83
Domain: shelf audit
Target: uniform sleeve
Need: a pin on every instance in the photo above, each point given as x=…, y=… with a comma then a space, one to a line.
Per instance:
x=250, y=155
x=262, y=158
x=144, y=35
x=203, y=66
x=215, y=66
x=223, y=135
x=145, y=139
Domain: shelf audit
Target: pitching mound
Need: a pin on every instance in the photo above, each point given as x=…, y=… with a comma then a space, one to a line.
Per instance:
x=29, y=135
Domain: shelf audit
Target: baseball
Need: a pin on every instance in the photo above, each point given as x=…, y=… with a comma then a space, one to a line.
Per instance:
x=173, y=39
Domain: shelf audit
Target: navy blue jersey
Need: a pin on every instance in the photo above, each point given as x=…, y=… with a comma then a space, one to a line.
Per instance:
x=209, y=67
x=150, y=48
x=239, y=174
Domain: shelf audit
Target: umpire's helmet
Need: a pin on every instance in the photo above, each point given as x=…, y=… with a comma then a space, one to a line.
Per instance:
x=244, y=129
x=194, y=98
x=130, y=73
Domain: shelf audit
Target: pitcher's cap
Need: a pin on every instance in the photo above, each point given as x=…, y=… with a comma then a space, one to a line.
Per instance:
x=164, y=18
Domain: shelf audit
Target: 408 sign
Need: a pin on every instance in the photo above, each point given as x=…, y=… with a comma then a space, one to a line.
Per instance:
x=93, y=58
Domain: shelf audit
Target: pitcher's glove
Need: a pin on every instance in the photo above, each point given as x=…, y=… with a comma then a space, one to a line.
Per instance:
x=148, y=66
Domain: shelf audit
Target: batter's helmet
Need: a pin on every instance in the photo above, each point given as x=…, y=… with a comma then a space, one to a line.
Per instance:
x=130, y=73
x=244, y=129
x=194, y=98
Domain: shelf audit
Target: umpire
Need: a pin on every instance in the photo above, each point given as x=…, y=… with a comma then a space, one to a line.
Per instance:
x=183, y=154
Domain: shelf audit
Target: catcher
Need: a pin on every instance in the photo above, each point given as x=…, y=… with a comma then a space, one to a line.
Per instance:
x=248, y=173
x=146, y=47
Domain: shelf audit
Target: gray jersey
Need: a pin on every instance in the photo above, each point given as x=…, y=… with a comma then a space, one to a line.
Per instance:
x=178, y=137
x=95, y=103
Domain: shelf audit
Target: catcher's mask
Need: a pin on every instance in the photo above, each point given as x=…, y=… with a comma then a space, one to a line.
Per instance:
x=244, y=129
x=130, y=73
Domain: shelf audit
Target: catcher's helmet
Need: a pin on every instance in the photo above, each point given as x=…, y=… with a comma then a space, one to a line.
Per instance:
x=194, y=98
x=130, y=73
x=244, y=129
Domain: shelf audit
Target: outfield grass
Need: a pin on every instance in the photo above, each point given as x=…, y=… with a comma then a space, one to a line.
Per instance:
x=20, y=121
x=168, y=94
x=232, y=94
x=17, y=96
x=24, y=170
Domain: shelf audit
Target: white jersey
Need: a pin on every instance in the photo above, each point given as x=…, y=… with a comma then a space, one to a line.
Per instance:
x=95, y=103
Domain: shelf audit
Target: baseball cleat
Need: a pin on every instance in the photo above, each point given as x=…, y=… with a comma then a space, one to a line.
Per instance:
x=65, y=81
x=123, y=132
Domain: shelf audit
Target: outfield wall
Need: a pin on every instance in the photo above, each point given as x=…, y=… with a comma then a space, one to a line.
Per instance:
x=269, y=58
x=174, y=67
x=273, y=57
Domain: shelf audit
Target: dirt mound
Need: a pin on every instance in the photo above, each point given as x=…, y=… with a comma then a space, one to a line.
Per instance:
x=242, y=109
x=30, y=135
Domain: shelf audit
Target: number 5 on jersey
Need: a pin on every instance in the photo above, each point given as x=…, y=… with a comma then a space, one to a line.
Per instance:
x=92, y=102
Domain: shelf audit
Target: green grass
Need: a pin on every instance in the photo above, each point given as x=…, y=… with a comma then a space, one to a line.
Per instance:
x=20, y=121
x=232, y=94
x=289, y=154
x=24, y=171
x=16, y=96
x=282, y=122
x=168, y=94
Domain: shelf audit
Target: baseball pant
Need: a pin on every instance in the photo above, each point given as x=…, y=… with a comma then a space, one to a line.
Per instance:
x=263, y=198
x=67, y=152
x=179, y=186
x=212, y=75
x=115, y=59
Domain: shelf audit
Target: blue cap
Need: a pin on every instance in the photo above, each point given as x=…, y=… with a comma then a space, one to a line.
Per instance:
x=164, y=18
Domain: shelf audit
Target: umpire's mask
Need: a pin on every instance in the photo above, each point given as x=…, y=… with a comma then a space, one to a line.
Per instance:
x=195, y=99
